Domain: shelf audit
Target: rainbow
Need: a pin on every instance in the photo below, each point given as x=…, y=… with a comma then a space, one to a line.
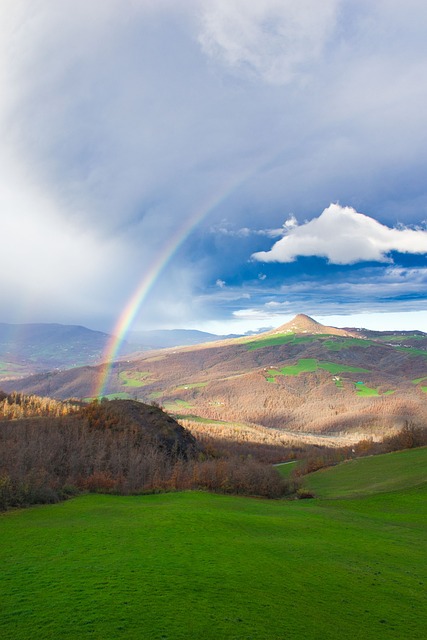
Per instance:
x=131, y=309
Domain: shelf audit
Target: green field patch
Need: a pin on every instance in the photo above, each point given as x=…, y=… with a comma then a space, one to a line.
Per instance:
x=191, y=565
x=400, y=338
x=346, y=343
x=283, y=338
x=285, y=469
x=412, y=351
x=194, y=418
x=309, y=365
x=177, y=404
x=154, y=395
x=121, y=395
x=11, y=369
x=374, y=474
x=134, y=378
x=418, y=381
x=191, y=385
x=365, y=392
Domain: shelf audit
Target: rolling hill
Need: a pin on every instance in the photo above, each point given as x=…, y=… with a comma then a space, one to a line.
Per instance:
x=302, y=378
x=190, y=565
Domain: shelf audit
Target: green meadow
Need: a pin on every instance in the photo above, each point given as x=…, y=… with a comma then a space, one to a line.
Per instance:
x=192, y=385
x=11, y=369
x=194, y=565
x=176, y=404
x=419, y=380
x=309, y=365
x=413, y=351
x=134, y=378
x=120, y=395
x=346, y=343
x=374, y=474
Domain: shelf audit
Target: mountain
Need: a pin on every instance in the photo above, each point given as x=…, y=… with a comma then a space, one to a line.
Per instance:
x=26, y=349
x=300, y=379
x=302, y=324
x=31, y=348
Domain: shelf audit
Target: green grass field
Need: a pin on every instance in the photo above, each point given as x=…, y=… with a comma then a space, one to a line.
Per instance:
x=413, y=351
x=120, y=395
x=192, y=385
x=374, y=474
x=285, y=469
x=134, y=378
x=309, y=365
x=174, y=405
x=11, y=369
x=346, y=343
x=194, y=565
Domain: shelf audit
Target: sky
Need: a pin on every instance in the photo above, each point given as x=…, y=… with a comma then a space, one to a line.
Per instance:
x=220, y=165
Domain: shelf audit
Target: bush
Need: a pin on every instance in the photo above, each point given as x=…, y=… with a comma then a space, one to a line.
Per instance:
x=304, y=494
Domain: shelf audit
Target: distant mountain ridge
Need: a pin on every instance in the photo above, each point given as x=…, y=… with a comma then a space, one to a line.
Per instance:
x=29, y=348
x=26, y=349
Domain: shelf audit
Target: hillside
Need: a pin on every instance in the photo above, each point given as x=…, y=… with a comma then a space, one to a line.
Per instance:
x=191, y=565
x=31, y=348
x=26, y=349
x=367, y=476
x=289, y=380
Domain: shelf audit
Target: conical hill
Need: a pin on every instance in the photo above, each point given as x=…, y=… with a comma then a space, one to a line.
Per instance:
x=304, y=324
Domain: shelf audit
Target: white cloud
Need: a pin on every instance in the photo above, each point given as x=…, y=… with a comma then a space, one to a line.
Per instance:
x=47, y=262
x=344, y=236
x=225, y=228
x=270, y=39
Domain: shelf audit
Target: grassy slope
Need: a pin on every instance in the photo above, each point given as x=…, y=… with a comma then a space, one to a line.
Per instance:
x=307, y=365
x=375, y=474
x=195, y=565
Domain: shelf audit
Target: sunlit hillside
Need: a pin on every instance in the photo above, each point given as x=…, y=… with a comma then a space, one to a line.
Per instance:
x=335, y=384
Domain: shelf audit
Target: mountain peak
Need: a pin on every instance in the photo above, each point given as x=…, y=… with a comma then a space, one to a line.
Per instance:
x=304, y=324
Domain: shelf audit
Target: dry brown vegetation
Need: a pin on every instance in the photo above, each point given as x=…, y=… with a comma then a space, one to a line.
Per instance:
x=16, y=405
x=315, y=458
x=119, y=446
x=50, y=449
x=237, y=391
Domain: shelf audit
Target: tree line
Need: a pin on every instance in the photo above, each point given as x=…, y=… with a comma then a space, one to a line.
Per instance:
x=122, y=447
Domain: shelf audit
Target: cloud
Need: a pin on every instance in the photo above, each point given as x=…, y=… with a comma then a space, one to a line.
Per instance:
x=268, y=39
x=50, y=265
x=122, y=121
x=225, y=228
x=344, y=236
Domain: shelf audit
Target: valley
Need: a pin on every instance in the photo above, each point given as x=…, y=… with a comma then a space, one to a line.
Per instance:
x=300, y=380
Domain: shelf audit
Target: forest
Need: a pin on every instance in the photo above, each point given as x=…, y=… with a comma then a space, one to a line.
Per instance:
x=50, y=450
